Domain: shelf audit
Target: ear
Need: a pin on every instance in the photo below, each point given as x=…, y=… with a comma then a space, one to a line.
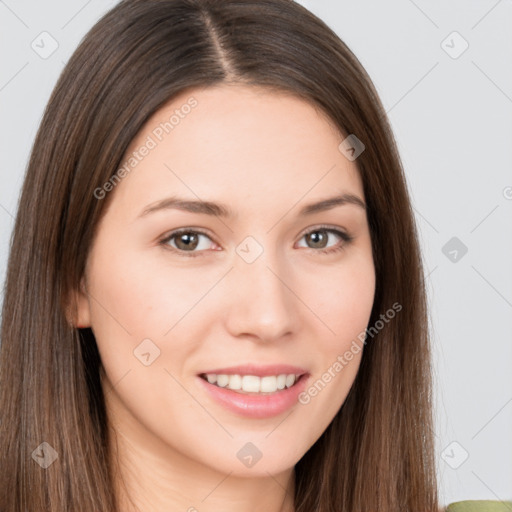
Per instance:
x=82, y=317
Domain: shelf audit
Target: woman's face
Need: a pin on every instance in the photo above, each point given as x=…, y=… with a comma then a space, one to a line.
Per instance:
x=271, y=283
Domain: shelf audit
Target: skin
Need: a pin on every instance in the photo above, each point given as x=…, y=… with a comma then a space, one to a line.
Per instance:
x=266, y=155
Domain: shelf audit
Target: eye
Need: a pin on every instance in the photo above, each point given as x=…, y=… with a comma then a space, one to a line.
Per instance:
x=319, y=238
x=186, y=241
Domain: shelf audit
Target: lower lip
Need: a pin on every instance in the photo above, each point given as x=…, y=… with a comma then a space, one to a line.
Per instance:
x=256, y=406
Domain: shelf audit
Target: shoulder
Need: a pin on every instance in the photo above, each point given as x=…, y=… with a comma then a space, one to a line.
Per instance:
x=479, y=506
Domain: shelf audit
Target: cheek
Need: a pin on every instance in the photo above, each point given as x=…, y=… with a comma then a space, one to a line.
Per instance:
x=344, y=301
x=344, y=305
x=142, y=306
x=136, y=316
x=139, y=296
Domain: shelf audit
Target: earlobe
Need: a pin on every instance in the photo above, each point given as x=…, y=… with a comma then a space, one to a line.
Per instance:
x=81, y=299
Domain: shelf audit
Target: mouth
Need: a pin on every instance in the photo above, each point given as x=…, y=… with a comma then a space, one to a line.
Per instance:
x=255, y=391
x=254, y=384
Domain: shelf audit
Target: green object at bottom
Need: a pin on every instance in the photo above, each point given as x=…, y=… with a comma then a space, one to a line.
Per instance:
x=480, y=506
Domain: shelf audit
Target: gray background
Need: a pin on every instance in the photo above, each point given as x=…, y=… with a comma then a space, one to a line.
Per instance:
x=451, y=115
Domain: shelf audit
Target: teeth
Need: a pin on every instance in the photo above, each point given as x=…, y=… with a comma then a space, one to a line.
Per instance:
x=290, y=380
x=253, y=383
x=268, y=384
x=212, y=378
x=222, y=381
x=233, y=382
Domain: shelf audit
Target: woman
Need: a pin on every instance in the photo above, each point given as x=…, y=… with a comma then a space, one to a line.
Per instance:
x=215, y=297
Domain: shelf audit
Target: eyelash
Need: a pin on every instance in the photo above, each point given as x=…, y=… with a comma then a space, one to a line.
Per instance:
x=344, y=236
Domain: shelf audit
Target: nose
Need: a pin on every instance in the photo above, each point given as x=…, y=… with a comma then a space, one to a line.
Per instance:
x=262, y=302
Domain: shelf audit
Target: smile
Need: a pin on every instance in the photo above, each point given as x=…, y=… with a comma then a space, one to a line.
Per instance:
x=256, y=397
x=252, y=384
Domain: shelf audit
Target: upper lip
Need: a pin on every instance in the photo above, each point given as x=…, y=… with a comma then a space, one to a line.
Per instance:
x=257, y=370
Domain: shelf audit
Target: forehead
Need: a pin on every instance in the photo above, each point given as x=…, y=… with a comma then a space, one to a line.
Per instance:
x=240, y=144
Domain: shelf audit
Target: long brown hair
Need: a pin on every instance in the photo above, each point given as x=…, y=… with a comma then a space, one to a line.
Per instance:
x=378, y=452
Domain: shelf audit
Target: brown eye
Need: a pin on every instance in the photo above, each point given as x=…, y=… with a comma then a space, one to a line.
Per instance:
x=319, y=238
x=318, y=241
x=187, y=242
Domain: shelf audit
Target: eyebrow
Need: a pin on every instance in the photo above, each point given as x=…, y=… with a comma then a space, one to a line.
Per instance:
x=222, y=210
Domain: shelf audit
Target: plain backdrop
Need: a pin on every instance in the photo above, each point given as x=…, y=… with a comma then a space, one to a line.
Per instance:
x=443, y=70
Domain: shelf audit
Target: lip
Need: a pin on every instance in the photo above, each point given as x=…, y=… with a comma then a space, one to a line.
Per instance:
x=257, y=370
x=255, y=406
